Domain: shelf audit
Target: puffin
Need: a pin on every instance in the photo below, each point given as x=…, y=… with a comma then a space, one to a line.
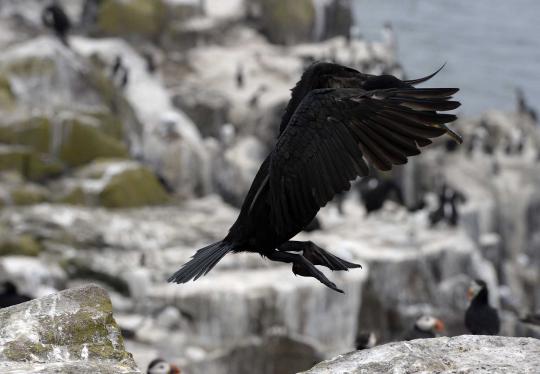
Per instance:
x=10, y=296
x=365, y=340
x=425, y=327
x=160, y=366
x=480, y=317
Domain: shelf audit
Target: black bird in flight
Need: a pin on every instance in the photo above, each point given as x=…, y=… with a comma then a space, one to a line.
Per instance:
x=480, y=317
x=336, y=120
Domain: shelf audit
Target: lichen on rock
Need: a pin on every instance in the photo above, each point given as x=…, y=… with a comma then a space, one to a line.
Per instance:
x=84, y=143
x=112, y=183
x=23, y=245
x=134, y=17
x=70, y=332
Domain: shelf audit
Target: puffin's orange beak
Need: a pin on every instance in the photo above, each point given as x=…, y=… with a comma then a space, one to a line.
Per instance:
x=175, y=369
x=439, y=326
x=470, y=294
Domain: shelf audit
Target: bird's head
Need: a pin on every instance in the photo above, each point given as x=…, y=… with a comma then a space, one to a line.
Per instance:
x=429, y=324
x=160, y=366
x=321, y=75
x=329, y=75
x=475, y=288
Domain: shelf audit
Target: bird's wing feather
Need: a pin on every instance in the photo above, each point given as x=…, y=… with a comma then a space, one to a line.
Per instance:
x=334, y=132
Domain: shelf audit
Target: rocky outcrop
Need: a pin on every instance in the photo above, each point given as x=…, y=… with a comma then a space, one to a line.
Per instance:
x=112, y=184
x=70, y=332
x=171, y=143
x=284, y=22
x=500, y=215
x=463, y=354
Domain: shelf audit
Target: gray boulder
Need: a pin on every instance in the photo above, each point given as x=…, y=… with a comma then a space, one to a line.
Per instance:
x=462, y=354
x=70, y=332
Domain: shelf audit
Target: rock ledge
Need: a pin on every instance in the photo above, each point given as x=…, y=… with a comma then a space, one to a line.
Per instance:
x=462, y=354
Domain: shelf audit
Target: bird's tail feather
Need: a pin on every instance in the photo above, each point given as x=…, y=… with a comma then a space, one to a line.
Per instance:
x=202, y=262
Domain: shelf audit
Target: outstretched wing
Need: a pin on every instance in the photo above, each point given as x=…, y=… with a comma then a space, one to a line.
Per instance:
x=334, y=132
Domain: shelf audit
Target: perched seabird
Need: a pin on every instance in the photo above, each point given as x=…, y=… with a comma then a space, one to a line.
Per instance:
x=119, y=72
x=10, y=296
x=533, y=319
x=480, y=317
x=375, y=191
x=523, y=107
x=365, y=341
x=160, y=366
x=449, y=200
x=425, y=327
x=336, y=117
x=54, y=17
x=239, y=76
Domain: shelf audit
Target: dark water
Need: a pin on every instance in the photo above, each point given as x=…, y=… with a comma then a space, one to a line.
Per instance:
x=490, y=46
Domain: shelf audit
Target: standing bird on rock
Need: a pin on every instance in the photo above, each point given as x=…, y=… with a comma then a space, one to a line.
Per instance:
x=365, y=340
x=480, y=317
x=425, y=327
x=54, y=17
x=9, y=295
x=160, y=366
x=336, y=117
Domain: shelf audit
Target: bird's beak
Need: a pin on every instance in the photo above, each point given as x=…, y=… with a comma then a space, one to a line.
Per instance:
x=175, y=369
x=470, y=294
x=439, y=326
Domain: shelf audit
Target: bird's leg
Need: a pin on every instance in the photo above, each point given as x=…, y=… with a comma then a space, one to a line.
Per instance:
x=301, y=266
x=317, y=256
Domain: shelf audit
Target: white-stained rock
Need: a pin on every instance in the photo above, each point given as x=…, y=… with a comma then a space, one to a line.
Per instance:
x=463, y=354
x=69, y=332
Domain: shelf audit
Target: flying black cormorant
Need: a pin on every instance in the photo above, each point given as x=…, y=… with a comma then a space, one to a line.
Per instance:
x=425, y=327
x=160, y=366
x=10, y=296
x=480, y=317
x=336, y=117
x=54, y=17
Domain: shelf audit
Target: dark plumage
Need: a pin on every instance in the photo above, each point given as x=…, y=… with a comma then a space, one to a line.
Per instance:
x=336, y=120
x=314, y=225
x=365, y=341
x=120, y=72
x=375, y=191
x=533, y=319
x=480, y=317
x=10, y=296
x=54, y=17
x=449, y=200
x=425, y=327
